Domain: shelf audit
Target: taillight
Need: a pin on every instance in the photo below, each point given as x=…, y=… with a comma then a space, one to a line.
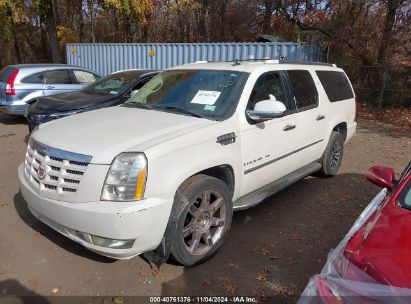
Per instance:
x=10, y=90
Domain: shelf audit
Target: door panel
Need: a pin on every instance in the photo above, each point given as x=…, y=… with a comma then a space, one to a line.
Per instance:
x=267, y=147
x=313, y=130
x=311, y=117
x=58, y=81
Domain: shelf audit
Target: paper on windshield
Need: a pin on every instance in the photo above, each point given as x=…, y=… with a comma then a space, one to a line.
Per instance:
x=206, y=97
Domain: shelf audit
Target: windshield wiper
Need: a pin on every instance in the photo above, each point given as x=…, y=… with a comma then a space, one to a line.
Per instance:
x=138, y=105
x=178, y=109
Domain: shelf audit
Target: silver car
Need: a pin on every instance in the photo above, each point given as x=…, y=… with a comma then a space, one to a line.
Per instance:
x=22, y=83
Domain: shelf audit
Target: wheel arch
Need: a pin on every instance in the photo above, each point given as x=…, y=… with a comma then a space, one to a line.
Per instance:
x=341, y=128
x=225, y=173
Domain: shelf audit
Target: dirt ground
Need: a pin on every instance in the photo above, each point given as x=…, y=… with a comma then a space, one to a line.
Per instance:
x=271, y=252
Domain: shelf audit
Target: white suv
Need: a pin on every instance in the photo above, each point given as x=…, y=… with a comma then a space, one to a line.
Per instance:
x=164, y=172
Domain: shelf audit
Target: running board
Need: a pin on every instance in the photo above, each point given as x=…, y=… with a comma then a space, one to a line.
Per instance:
x=254, y=198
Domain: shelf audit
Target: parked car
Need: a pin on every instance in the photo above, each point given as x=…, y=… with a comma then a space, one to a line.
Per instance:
x=165, y=170
x=20, y=84
x=109, y=91
x=372, y=263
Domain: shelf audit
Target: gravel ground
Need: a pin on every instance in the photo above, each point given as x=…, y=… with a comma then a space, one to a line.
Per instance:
x=272, y=250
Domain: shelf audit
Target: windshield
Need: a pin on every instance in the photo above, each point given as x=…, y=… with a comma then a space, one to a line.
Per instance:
x=405, y=196
x=112, y=84
x=211, y=94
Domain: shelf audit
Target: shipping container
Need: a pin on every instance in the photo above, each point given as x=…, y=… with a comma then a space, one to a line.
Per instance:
x=106, y=58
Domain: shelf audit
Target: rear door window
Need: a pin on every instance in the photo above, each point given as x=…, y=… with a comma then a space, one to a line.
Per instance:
x=58, y=77
x=304, y=89
x=35, y=78
x=336, y=85
x=5, y=73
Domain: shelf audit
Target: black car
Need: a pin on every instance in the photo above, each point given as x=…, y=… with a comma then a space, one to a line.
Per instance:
x=109, y=91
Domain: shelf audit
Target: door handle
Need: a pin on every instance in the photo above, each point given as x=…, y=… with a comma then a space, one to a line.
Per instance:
x=49, y=87
x=289, y=127
x=319, y=117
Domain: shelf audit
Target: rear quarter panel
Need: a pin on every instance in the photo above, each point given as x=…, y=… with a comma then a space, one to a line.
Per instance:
x=26, y=92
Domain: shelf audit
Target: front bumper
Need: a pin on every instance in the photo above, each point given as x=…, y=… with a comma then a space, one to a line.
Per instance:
x=11, y=109
x=142, y=221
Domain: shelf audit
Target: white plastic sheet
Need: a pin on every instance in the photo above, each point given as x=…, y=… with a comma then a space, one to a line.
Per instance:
x=341, y=281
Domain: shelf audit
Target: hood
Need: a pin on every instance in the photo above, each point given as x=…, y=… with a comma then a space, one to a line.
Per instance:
x=105, y=133
x=71, y=101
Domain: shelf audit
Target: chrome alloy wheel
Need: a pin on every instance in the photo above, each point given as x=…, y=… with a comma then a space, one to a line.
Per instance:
x=335, y=154
x=204, y=222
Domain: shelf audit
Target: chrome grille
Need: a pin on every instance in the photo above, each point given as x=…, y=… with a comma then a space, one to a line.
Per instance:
x=63, y=169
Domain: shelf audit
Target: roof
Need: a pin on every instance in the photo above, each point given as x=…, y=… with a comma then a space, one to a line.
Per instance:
x=250, y=66
x=47, y=66
x=41, y=65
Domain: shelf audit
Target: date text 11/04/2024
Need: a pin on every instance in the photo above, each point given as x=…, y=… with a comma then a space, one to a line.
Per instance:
x=205, y=299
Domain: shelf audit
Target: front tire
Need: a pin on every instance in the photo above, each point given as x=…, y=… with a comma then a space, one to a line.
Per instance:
x=333, y=154
x=204, y=222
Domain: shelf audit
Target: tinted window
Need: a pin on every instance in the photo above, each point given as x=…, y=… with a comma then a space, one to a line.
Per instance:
x=141, y=84
x=305, y=92
x=405, y=196
x=336, y=85
x=35, y=78
x=268, y=84
x=84, y=77
x=112, y=84
x=58, y=77
x=5, y=73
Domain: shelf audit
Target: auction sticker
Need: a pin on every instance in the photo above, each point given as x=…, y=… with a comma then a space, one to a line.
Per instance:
x=206, y=97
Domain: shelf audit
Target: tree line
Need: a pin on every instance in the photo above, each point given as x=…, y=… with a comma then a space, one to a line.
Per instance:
x=361, y=32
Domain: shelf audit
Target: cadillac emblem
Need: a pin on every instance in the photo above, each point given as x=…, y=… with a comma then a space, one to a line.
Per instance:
x=41, y=172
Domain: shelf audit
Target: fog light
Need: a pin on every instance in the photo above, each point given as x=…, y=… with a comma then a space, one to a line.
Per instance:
x=110, y=243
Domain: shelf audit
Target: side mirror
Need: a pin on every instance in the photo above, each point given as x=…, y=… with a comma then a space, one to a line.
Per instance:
x=134, y=92
x=267, y=109
x=383, y=177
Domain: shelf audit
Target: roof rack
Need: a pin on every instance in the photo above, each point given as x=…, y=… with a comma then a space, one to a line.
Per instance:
x=271, y=60
x=307, y=63
x=238, y=61
x=264, y=60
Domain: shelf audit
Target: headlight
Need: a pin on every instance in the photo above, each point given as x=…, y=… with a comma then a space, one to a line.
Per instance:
x=126, y=178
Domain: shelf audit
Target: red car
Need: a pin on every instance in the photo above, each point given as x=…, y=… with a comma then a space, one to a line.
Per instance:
x=373, y=262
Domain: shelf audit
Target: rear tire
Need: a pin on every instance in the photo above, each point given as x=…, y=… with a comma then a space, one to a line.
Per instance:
x=332, y=157
x=204, y=222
